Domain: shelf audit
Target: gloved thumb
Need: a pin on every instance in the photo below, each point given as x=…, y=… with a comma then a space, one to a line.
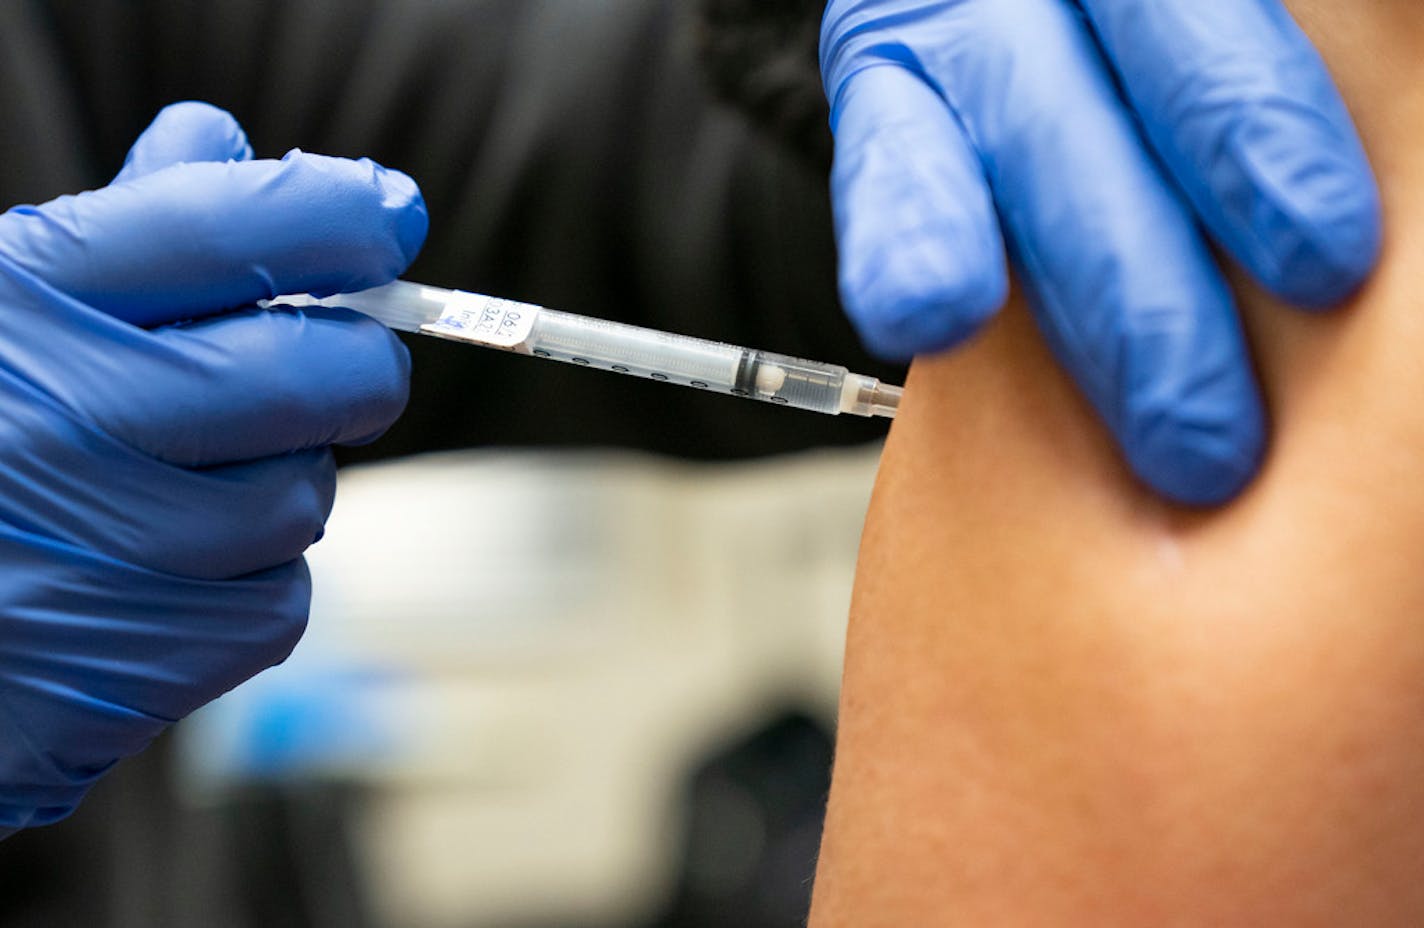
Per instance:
x=185, y=132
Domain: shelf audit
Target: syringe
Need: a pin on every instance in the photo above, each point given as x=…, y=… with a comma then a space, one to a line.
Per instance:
x=614, y=346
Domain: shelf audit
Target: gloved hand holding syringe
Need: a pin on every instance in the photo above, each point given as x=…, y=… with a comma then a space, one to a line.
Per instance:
x=624, y=349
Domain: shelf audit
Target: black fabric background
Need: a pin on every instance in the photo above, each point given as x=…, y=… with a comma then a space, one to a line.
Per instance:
x=571, y=155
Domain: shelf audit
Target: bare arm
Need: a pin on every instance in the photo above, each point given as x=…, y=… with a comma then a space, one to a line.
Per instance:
x=1068, y=704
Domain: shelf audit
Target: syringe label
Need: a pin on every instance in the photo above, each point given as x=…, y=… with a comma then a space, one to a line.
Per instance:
x=484, y=320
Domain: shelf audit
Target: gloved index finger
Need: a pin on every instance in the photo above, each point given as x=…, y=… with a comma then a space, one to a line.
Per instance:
x=922, y=260
x=197, y=239
x=1243, y=111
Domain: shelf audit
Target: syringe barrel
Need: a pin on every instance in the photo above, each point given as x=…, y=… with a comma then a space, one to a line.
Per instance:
x=629, y=349
x=618, y=347
x=693, y=362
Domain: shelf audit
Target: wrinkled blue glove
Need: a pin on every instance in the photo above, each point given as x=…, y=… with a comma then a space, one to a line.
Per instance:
x=158, y=487
x=1092, y=137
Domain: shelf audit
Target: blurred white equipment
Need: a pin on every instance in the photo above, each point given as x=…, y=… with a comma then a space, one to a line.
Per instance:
x=551, y=642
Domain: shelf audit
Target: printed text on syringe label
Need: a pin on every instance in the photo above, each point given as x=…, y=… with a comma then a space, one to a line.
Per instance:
x=485, y=320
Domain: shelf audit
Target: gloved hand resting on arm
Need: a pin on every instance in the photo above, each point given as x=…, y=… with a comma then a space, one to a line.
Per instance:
x=1093, y=136
x=159, y=485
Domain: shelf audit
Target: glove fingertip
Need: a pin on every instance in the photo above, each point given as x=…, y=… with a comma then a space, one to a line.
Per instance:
x=907, y=308
x=274, y=639
x=220, y=129
x=381, y=392
x=392, y=199
x=401, y=195
x=1332, y=253
x=1294, y=198
x=1200, y=446
x=186, y=132
x=1198, y=471
x=1178, y=390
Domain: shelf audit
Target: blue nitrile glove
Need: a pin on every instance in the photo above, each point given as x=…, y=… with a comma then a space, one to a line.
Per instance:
x=1092, y=136
x=158, y=488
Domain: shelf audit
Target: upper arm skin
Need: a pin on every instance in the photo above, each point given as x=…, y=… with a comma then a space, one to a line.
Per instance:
x=1067, y=703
